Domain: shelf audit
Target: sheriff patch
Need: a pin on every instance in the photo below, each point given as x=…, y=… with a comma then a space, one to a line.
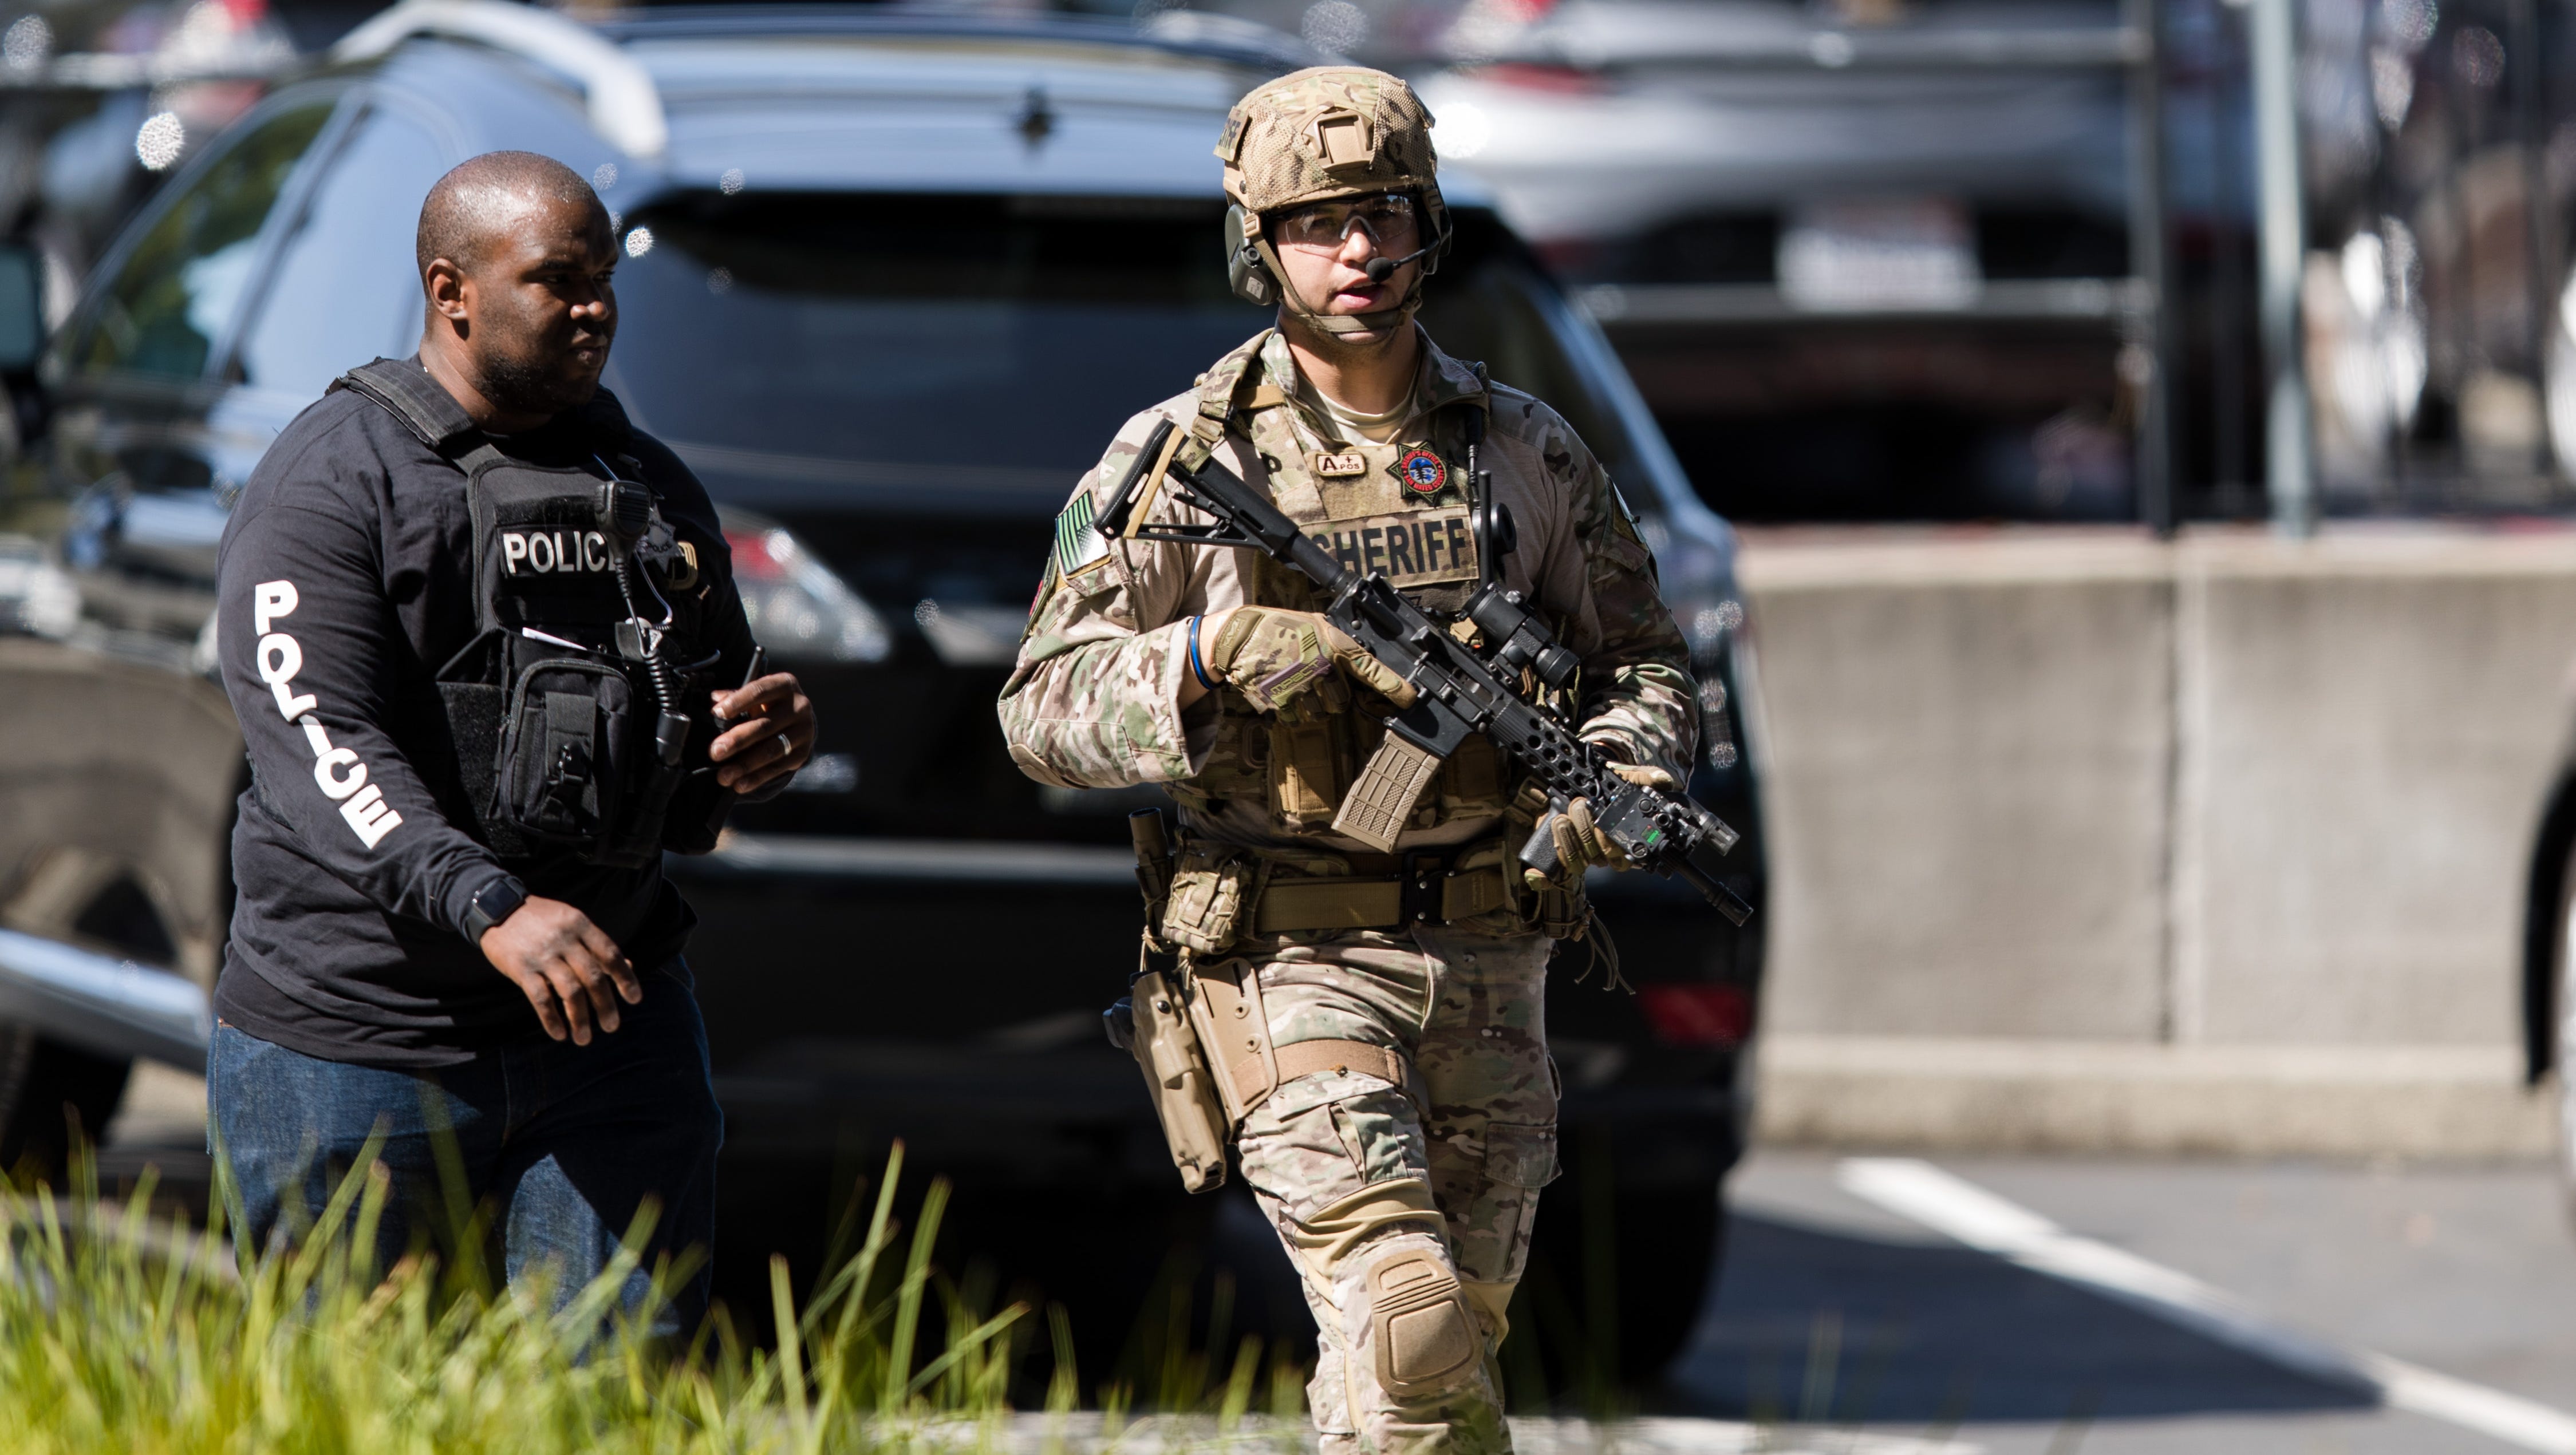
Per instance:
x=1411, y=548
x=1422, y=472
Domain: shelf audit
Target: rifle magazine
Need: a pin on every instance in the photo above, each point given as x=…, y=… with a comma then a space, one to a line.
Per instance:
x=1375, y=810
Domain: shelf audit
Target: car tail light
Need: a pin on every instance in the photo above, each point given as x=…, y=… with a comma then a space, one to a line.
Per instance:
x=1698, y=1015
x=799, y=610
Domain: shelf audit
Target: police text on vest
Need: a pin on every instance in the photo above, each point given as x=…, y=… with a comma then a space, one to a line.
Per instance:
x=544, y=552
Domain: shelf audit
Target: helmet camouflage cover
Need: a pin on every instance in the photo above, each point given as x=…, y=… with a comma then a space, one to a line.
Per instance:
x=1324, y=133
x=1331, y=131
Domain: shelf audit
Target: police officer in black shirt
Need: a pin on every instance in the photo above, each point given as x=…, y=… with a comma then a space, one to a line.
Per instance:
x=483, y=640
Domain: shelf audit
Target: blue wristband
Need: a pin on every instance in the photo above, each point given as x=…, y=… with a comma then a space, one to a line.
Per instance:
x=1197, y=670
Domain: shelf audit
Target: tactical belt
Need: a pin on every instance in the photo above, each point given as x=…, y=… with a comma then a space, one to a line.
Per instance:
x=1425, y=894
x=1308, y=1058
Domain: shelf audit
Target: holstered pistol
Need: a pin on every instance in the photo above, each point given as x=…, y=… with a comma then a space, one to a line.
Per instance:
x=1153, y=1025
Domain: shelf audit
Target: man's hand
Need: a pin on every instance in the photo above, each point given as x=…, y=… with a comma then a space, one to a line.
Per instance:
x=1580, y=844
x=771, y=736
x=1271, y=656
x=569, y=968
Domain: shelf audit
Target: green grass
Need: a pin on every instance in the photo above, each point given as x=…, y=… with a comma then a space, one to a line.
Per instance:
x=121, y=1332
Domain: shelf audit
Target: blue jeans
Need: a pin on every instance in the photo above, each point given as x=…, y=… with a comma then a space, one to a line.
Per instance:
x=565, y=1143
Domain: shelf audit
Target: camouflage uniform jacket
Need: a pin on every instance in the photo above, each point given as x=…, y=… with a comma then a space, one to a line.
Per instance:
x=1094, y=699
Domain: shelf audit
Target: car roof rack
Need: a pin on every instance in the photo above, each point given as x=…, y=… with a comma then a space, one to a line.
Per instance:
x=625, y=105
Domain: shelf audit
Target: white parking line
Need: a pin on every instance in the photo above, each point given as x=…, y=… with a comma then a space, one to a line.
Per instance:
x=1667, y=1436
x=1962, y=1210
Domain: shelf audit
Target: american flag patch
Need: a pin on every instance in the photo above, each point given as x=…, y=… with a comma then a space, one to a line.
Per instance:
x=1076, y=543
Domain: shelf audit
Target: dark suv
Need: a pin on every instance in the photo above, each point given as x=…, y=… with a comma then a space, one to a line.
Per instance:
x=891, y=281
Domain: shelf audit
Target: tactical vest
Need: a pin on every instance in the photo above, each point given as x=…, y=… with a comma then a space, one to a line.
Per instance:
x=1400, y=509
x=568, y=708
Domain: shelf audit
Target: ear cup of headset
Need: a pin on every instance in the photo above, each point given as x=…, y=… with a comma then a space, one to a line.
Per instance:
x=1244, y=271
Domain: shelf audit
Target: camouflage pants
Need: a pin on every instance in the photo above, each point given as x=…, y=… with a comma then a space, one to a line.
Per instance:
x=1407, y=1210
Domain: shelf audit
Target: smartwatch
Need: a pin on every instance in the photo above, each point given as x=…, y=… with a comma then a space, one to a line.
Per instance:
x=493, y=903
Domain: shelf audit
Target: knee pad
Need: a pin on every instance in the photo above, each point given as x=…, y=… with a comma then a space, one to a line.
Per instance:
x=1424, y=1336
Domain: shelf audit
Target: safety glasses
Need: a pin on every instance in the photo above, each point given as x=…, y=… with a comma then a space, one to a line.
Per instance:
x=1389, y=218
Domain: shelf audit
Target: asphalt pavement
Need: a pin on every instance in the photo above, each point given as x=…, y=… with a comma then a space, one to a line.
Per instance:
x=1839, y=1312
x=2049, y=1306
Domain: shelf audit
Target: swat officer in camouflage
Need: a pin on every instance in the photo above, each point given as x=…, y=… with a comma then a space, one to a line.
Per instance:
x=1372, y=1020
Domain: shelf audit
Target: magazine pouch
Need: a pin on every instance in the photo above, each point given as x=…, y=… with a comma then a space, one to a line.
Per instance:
x=567, y=755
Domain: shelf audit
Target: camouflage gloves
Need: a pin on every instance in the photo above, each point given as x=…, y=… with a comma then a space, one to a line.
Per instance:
x=1579, y=842
x=1271, y=656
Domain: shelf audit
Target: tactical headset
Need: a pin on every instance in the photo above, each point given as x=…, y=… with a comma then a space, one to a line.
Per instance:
x=1252, y=265
x=1253, y=270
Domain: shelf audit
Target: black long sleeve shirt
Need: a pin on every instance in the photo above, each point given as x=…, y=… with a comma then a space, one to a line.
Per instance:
x=346, y=579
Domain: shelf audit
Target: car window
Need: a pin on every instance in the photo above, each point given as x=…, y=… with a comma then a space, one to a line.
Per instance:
x=345, y=289
x=1007, y=336
x=177, y=290
x=979, y=342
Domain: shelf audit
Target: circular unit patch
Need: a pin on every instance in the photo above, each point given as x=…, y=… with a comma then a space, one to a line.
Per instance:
x=1424, y=472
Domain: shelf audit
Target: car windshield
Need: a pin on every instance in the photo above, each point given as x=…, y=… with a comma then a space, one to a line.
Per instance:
x=948, y=353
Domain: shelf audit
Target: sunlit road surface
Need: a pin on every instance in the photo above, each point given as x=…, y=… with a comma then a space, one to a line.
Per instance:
x=2056, y=1305
x=1082, y=1433
x=2045, y=1306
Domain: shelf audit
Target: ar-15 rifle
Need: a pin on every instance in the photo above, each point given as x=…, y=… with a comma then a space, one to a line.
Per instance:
x=1458, y=690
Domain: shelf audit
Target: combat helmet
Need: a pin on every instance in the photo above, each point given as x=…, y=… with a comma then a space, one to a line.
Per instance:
x=1313, y=136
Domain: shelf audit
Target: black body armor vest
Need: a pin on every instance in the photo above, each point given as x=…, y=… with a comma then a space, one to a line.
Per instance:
x=567, y=708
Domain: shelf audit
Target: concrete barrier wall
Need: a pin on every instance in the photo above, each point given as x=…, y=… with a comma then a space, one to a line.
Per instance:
x=2033, y=793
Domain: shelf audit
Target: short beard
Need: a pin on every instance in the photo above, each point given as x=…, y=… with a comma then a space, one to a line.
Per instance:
x=520, y=387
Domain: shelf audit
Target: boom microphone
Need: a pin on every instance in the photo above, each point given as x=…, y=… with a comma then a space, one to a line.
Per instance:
x=1381, y=269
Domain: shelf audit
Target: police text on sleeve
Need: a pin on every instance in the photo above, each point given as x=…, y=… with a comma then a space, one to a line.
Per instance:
x=338, y=772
